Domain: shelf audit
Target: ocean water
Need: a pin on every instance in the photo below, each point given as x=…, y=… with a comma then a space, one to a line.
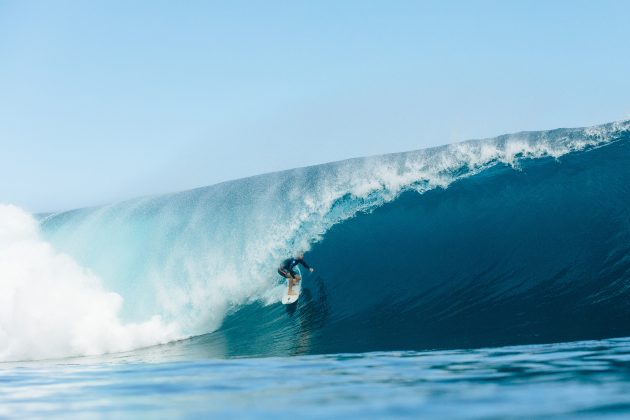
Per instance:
x=586, y=379
x=443, y=279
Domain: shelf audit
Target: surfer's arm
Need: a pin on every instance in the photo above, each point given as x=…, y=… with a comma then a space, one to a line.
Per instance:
x=306, y=265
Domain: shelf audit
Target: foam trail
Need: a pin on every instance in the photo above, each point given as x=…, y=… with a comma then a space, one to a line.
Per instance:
x=52, y=307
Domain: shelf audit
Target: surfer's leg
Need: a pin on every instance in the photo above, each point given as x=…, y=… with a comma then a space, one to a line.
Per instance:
x=290, y=282
x=287, y=275
x=294, y=280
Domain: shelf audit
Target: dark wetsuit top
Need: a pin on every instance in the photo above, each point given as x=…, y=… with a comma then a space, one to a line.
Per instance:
x=289, y=264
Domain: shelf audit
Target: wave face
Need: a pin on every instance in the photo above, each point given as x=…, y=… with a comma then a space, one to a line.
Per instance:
x=522, y=238
x=538, y=254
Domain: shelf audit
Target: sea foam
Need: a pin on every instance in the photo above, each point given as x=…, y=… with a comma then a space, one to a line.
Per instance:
x=52, y=307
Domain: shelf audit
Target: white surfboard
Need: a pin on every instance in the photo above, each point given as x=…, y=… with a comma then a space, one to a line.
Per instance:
x=288, y=299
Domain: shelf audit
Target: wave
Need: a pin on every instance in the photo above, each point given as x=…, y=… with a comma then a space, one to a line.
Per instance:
x=52, y=307
x=403, y=261
x=506, y=257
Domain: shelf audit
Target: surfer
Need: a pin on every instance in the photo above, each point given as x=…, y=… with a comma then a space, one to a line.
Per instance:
x=286, y=270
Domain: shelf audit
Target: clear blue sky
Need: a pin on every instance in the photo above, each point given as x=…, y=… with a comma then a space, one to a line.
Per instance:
x=107, y=100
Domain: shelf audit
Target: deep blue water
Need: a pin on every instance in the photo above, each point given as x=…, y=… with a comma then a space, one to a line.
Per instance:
x=443, y=279
x=507, y=257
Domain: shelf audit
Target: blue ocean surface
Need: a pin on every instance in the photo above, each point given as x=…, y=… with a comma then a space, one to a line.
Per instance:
x=489, y=278
x=588, y=378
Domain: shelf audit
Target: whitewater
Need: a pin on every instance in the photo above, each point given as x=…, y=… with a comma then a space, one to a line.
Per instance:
x=199, y=265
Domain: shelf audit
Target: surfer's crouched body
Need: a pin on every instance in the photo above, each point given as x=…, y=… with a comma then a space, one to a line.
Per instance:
x=287, y=271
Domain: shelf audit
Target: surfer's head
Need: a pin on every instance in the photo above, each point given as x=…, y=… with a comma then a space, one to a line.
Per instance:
x=300, y=255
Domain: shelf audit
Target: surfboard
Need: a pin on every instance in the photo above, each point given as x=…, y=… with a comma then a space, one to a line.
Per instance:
x=289, y=299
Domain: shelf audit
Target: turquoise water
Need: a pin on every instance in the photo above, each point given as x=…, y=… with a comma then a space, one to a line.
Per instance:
x=440, y=274
x=587, y=378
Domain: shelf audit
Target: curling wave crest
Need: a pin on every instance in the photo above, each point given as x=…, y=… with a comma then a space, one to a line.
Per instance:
x=159, y=268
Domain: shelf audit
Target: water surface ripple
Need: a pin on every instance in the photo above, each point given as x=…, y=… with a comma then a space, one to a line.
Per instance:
x=591, y=378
